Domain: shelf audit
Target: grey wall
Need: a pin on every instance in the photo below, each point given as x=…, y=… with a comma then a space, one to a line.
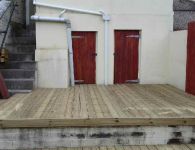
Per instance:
x=184, y=13
x=19, y=14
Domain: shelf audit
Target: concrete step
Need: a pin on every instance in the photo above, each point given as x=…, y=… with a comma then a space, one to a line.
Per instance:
x=17, y=73
x=12, y=92
x=29, y=65
x=20, y=84
x=29, y=31
x=21, y=57
x=18, y=48
x=24, y=34
x=22, y=40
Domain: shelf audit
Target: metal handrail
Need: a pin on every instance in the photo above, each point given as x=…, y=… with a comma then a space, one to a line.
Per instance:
x=12, y=5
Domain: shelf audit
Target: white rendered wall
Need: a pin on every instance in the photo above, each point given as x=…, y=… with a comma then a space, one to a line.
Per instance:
x=153, y=18
x=52, y=56
x=178, y=59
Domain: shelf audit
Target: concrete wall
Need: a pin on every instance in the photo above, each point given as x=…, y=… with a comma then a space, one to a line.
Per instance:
x=153, y=18
x=83, y=137
x=177, y=59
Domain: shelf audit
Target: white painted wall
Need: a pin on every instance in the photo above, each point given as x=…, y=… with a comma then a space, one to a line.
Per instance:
x=52, y=56
x=154, y=18
x=178, y=59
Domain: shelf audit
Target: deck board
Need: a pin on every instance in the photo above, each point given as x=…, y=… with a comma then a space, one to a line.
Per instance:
x=99, y=105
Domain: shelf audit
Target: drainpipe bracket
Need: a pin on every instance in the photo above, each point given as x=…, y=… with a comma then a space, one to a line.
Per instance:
x=68, y=24
x=62, y=12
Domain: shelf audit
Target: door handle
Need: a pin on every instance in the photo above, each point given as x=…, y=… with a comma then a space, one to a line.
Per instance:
x=94, y=54
x=115, y=54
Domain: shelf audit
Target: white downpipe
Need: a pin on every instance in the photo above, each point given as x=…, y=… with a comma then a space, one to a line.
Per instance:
x=69, y=39
x=49, y=19
x=106, y=19
x=106, y=47
x=106, y=53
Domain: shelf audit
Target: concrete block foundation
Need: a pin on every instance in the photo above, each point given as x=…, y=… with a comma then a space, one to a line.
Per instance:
x=81, y=137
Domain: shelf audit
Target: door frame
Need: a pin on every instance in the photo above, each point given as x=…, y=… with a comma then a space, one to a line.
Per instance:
x=139, y=51
x=96, y=46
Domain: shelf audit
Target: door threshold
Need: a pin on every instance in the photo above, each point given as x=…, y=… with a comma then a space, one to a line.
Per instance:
x=132, y=81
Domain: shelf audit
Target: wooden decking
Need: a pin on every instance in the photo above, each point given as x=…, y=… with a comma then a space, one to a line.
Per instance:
x=93, y=105
x=157, y=147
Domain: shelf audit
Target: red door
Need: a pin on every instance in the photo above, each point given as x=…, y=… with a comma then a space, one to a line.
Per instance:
x=84, y=50
x=3, y=88
x=190, y=74
x=126, y=56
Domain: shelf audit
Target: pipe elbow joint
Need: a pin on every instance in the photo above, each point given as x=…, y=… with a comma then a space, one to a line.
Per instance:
x=105, y=16
x=34, y=17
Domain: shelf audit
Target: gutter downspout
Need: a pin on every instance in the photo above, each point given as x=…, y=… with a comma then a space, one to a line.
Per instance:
x=69, y=39
x=106, y=19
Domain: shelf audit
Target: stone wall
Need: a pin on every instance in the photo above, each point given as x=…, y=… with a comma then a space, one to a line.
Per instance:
x=19, y=14
x=184, y=13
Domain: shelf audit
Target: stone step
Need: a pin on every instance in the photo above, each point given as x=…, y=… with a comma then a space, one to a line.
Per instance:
x=29, y=31
x=21, y=40
x=19, y=84
x=17, y=73
x=12, y=92
x=21, y=57
x=21, y=48
x=29, y=65
x=24, y=34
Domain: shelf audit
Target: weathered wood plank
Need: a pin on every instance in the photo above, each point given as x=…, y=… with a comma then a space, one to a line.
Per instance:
x=97, y=105
x=30, y=123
